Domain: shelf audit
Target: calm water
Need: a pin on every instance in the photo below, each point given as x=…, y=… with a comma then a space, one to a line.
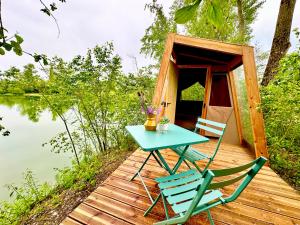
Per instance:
x=31, y=125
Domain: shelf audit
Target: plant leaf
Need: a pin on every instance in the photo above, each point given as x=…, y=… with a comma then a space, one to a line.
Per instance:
x=7, y=46
x=19, y=39
x=2, y=52
x=186, y=13
x=53, y=7
x=214, y=13
x=17, y=49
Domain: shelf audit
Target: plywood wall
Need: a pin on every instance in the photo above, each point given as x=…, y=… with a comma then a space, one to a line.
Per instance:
x=171, y=93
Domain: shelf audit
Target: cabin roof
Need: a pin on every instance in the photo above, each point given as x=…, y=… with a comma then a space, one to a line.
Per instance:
x=198, y=51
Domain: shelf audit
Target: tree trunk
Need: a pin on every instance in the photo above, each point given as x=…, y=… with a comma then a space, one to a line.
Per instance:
x=281, y=41
x=241, y=20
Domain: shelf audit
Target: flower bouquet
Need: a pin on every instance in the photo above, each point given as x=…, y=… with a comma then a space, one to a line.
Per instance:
x=150, y=112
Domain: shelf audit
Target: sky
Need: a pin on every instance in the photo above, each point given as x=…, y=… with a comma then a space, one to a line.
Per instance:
x=84, y=24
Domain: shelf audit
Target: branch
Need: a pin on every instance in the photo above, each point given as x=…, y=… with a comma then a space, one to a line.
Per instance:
x=30, y=54
x=50, y=14
x=1, y=25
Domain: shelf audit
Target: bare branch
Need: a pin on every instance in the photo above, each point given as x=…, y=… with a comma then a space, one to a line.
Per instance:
x=1, y=25
x=55, y=20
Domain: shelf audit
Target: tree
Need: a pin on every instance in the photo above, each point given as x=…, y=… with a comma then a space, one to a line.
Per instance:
x=13, y=42
x=281, y=40
x=155, y=35
x=247, y=12
x=216, y=19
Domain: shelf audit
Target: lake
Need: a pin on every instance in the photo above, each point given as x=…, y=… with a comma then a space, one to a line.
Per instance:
x=31, y=124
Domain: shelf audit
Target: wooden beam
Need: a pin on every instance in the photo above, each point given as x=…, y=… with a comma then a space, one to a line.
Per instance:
x=236, y=108
x=203, y=58
x=219, y=69
x=173, y=56
x=237, y=61
x=208, y=81
x=163, y=70
x=209, y=44
x=256, y=116
x=200, y=66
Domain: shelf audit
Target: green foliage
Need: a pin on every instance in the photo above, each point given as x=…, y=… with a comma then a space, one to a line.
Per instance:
x=244, y=106
x=79, y=177
x=281, y=107
x=26, y=196
x=17, y=82
x=14, y=43
x=186, y=13
x=164, y=120
x=193, y=93
x=203, y=26
x=215, y=19
x=153, y=42
x=95, y=101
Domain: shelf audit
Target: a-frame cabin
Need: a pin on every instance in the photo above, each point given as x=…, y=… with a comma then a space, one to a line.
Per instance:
x=210, y=64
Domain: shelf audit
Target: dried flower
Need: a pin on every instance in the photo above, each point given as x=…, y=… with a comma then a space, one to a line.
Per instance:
x=147, y=109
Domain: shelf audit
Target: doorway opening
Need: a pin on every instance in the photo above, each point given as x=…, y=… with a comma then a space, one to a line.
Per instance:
x=190, y=96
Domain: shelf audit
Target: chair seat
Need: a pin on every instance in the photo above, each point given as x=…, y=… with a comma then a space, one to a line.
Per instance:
x=191, y=154
x=180, y=189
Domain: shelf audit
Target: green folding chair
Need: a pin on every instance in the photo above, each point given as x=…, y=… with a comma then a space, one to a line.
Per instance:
x=192, y=155
x=190, y=193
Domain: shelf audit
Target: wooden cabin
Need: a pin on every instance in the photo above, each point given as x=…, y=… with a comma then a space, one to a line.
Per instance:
x=210, y=64
x=209, y=67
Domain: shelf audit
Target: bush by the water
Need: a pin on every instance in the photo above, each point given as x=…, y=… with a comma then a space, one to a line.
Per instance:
x=27, y=197
x=281, y=106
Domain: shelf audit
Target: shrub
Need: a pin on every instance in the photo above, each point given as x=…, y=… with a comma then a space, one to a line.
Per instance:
x=281, y=107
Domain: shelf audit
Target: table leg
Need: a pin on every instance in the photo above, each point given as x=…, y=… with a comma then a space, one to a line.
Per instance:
x=141, y=166
x=157, y=160
x=163, y=161
x=180, y=160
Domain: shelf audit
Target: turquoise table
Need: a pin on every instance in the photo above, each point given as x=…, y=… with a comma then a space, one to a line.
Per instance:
x=154, y=141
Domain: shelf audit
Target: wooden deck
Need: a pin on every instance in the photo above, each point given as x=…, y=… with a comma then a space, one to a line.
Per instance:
x=267, y=200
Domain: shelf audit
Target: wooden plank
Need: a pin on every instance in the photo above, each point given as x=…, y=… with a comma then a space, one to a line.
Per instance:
x=120, y=210
x=219, y=68
x=256, y=117
x=193, y=66
x=255, y=214
x=70, y=221
x=209, y=44
x=90, y=215
x=163, y=70
x=260, y=180
x=130, y=198
x=204, y=58
x=171, y=92
x=267, y=199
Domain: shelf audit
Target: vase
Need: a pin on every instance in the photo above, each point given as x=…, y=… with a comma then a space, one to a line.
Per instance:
x=150, y=123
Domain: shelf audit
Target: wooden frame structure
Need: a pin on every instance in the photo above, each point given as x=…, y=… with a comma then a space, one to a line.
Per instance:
x=183, y=52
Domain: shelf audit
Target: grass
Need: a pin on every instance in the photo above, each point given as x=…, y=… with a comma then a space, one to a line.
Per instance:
x=35, y=203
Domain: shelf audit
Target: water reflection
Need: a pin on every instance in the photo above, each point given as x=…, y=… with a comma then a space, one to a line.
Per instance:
x=30, y=106
x=31, y=124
